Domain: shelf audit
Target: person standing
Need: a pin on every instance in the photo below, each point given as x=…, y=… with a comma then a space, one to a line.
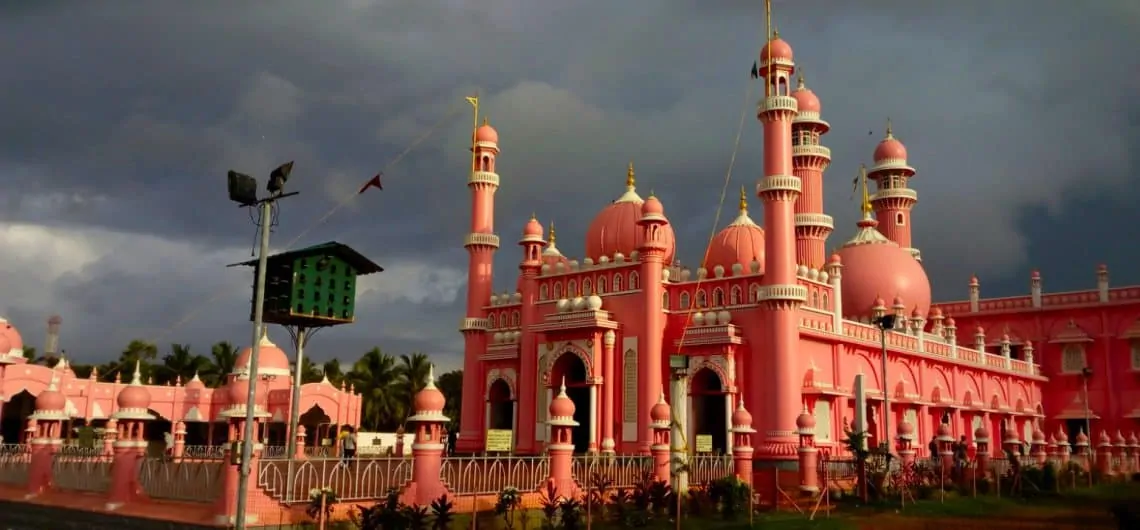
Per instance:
x=348, y=445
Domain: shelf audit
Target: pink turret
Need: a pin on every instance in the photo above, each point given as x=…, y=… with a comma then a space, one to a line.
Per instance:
x=655, y=248
x=427, y=448
x=561, y=448
x=893, y=199
x=481, y=244
x=775, y=363
x=809, y=161
x=530, y=267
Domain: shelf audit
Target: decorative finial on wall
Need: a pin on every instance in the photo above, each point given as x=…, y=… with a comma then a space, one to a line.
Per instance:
x=743, y=200
x=889, y=132
x=553, y=236
x=630, y=179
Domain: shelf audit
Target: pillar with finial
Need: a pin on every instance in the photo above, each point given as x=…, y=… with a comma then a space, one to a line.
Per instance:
x=1027, y=351
x=130, y=445
x=179, y=448
x=225, y=507
x=561, y=446
x=1006, y=350
x=945, y=441
x=1104, y=458
x=808, y=453
x=980, y=339
x=1035, y=288
x=1081, y=450
x=299, y=454
x=982, y=440
x=975, y=293
x=1102, y=282
x=1037, y=446
x=428, y=445
x=835, y=275
x=46, y=437
x=1121, y=446
x=1134, y=444
x=660, y=420
x=1063, y=448
x=742, y=433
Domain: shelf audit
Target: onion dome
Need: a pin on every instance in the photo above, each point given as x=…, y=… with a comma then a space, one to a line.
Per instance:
x=50, y=400
x=873, y=264
x=936, y=313
x=805, y=422
x=1038, y=436
x=271, y=360
x=1104, y=440
x=1061, y=438
x=429, y=401
x=532, y=232
x=806, y=100
x=1133, y=441
x=615, y=228
x=562, y=409
x=486, y=133
x=14, y=340
x=551, y=255
x=906, y=430
x=890, y=149
x=741, y=242
x=195, y=383
x=741, y=418
x=951, y=323
x=1119, y=440
x=661, y=413
x=981, y=434
x=944, y=434
x=1082, y=439
x=238, y=390
x=779, y=48
x=134, y=400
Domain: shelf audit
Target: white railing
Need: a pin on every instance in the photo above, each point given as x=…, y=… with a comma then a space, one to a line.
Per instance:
x=185, y=480
x=488, y=475
x=14, y=461
x=617, y=471
x=204, y=452
x=81, y=473
x=359, y=479
x=704, y=469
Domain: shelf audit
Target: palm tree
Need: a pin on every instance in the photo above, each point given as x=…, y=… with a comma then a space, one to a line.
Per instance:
x=310, y=373
x=224, y=357
x=180, y=363
x=451, y=385
x=333, y=371
x=375, y=376
x=414, y=370
x=138, y=352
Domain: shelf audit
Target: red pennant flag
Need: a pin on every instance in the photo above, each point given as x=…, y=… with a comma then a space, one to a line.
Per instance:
x=374, y=182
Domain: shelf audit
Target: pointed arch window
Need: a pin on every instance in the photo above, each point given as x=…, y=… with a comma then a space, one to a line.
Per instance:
x=543, y=292
x=754, y=294
x=516, y=319
x=572, y=289
x=684, y=300
x=665, y=300
x=718, y=297
x=633, y=279
x=734, y=295
x=702, y=299
x=557, y=290
x=587, y=287
x=602, y=285
x=617, y=283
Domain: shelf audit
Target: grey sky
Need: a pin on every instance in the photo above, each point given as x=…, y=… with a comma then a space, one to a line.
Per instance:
x=118, y=120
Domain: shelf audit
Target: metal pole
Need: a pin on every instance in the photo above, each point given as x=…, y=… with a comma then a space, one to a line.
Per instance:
x=295, y=408
x=1088, y=422
x=255, y=349
x=886, y=398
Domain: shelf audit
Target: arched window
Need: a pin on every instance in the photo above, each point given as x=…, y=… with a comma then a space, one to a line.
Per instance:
x=617, y=283
x=702, y=299
x=557, y=290
x=587, y=287
x=516, y=319
x=826, y=305
x=664, y=300
x=492, y=319
x=815, y=299
x=684, y=300
x=633, y=278
x=754, y=294
x=718, y=297
x=601, y=284
x=543, y=292
x=900, y=219
x=503, y=322
x=734, y=295
x=572, y=289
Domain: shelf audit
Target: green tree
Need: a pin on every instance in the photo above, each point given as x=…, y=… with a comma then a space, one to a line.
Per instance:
x=414, y=370
x=310, y=372
x=138, y=352
x=376, y=377
x=333, y=371
x=180, y=363
x=223, y=358
x=451, y=385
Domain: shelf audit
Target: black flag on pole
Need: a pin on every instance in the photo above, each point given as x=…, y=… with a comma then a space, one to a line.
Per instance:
x=373, y=182
x=755, y=70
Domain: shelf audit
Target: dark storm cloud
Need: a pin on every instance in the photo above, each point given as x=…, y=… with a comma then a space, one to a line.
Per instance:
x=121, y=117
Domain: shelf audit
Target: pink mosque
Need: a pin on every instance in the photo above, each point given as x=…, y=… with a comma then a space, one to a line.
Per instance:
x=188, y=411
x=771, y=325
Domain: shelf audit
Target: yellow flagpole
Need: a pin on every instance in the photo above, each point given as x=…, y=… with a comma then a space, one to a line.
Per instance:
x=866, y=196
x=474, y=101
x=768, y=36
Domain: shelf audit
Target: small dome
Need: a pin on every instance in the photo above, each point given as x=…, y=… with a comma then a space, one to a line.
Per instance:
x=951, y=323
x=615, y=229
x=1038, y=436
x=740, y=242
x=1132, y=439
x=652, y=206
x=486, y=133
x=239, y=392
x=873, y=265
x=533, y=228
x=661, y=411
x=195, y=383
x=741, y=417
x=271, y=360
x=805, y=421
x=916, y=314
x=430, y=399
x=51, y=399
x=1104, y=439
x=780, y=50
x=981, y=433
x=943, y=430
x=889, y=148
x=906, y=428
x=561, y=406
x=806, y=100
x=936, y=312
x=551, y=255
x=1119, y=439
x=134, y=396
x=15, y=341
x=1082, y=438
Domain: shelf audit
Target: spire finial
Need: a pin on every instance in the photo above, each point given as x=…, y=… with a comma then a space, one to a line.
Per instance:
x=775, y=32
x=562, y=391
x=889, y=132
x=743, y=200
x=136, y=379
x=430, y=376
x=800, y=81
x=533, y=216
x=630, y=179
x=866, y=195
x=486, y=121
x=553, y=236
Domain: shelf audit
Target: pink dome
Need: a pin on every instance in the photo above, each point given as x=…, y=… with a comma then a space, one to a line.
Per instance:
x=430, y=399
x=486, y=133
x=133, y=397
x=780, y=50
x=271, y=360
x=1082, y=438
x=15, y=341
x=906, y=428
x=836, y=260
x=195, y=383
x=873, y=266
x=652, y=206
x=561, y=406
x=661, y=411
x=943, y=430
x=615, y=228
x=740, y=242
x=806, y=100
x=1119, y=439
x=741, y=417
x=805, y=421
x=951, y=323
x=890, y=149
x=238, y=390
x=981, y=433
x=1038, y=436
x=1132, y=439
x=5, y=344
x=936, y=312
x=51, y=399
x=533, y=228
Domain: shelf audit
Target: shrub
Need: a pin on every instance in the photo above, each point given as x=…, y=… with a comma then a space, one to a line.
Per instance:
x=443, y=513
x=321, y=501
x=508, y=503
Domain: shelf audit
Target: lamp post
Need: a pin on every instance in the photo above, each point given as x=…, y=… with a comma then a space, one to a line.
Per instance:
x=243, y=190
x=884, y=323
x=1086, y=373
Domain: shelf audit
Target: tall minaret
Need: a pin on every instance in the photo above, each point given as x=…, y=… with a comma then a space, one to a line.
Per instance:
x=773, y=365
x=809, y=160
x=893, y=198
x=529, y=269
x=481, y=244
x=51, y=345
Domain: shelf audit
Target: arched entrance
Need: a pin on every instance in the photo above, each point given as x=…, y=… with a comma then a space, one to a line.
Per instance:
x=571, y=369
x=708, y=397
x=14, y=416
x=500, y=406
x=317, y=426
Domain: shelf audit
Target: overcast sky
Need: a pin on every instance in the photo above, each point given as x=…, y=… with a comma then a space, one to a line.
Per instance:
x=118, y=120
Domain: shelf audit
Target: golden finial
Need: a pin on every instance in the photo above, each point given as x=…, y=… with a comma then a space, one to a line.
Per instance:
x=552, y=235
x=743, y=200
x=629, y=176
x=889, y=135
x=866, y=195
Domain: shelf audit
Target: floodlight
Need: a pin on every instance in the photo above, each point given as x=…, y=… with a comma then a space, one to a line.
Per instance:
x=886, y=321
x=278, y=177
x=243, y=188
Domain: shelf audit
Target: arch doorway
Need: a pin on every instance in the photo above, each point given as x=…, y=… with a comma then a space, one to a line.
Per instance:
x=572, y=369
x=14, y=416
x=501, y=408
x=709, y=400
x=318, y=427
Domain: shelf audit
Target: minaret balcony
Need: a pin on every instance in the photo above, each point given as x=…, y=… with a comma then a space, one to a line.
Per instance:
x=477, y=239
x=895, y=193
x=776, y=183
x=474, y=324
x=796, y=293
x=811, y=150
x=489, y=178
x=815, y=219
x=777, y=104
x=892, y=165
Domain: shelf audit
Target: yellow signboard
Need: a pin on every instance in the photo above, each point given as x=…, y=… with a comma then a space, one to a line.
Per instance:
x=704, y=443
x=500, y=440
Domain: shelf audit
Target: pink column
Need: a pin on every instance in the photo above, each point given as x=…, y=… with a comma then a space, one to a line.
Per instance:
x=609, y=383
x=1062, y=442
x=809, y=454
x=742, y=432
x=1134, y=442
x=400, y=450
x=1081, y=447
x=945, y=439
x=46, y=424
x=526, y=410
x=660, y=420
x=1037, y=447
x=561, y=446
x=982, y=439
x=300, y=454
x=1104, y=459
x=179, y=448
x=427, y=449
x=651, y=346
x=129, y=449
